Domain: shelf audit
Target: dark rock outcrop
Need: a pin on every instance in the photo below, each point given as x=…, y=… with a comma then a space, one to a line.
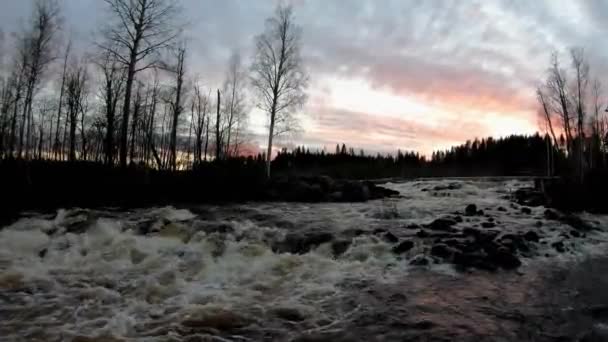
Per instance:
x=470, y=210
x=403, y=247
x=302, y=243
x=442, y=224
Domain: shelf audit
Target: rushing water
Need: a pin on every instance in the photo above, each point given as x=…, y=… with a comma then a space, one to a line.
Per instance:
x=210, y=273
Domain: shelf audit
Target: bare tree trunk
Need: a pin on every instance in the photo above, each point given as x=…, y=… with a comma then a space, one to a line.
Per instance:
x=61, y=93
x=218, y=137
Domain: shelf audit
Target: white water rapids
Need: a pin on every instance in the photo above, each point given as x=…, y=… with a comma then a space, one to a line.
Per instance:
x=209, y=273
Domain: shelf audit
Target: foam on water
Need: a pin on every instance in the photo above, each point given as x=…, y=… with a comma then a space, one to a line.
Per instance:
x=181, y=278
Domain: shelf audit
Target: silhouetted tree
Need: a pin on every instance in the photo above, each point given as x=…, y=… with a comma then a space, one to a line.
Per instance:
x=139, y=30
x=278, y=73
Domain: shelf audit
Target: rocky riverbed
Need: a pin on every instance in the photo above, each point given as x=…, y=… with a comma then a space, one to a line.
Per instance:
x=445, y=260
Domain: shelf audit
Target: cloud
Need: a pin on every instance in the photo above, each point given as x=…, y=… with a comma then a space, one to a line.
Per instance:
x=472, y=64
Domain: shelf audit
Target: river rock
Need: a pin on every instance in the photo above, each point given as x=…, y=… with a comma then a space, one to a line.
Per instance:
x=390, y=237
x=403, y=247
x=422, y=234
x=289, y=314
x=220, y=319
x=559, y=246
x=296, y=243
x=470, y=210
x=476, y=259
x=488, y=224
x=340, y=247
x=504, y=258
x=526, y=210
x=531, y=236
x=443, y=224
x=441, y=251
x=419, y=260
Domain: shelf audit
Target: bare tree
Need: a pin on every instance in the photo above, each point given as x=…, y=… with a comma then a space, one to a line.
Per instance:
x=234, y=104
x=57, y=145
x=75, y=98
x=17, y=85
x=177, y=105
x=547, y=111
x=596, y=98
x=218, y=131
x=112, y=85
x=140, y=29
x=39, y=39
x=200, y=104
x=558, y=92
x=581, y=74
x=278, y=73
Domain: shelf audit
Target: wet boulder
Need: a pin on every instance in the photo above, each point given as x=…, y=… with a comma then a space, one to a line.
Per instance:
x=390, y=237
x=559, y=246
x=422, y=234
x=419, y=260
x=488, y=224
x=504, y=258
x=526, y=210
x=403, y=247
x=219, y=319
x=296, y=243
x=478, y=260
x=468, y=231
x=442, y=224
x=289, y=314
x=441, y=250
x=531, y=236
x=355, y=192
x=340, y=247
x=470, y=210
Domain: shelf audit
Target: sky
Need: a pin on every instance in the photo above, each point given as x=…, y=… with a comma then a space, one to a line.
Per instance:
x=389, y=74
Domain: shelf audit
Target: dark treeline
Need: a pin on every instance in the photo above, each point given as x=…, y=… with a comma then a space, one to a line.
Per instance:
x=514, y=156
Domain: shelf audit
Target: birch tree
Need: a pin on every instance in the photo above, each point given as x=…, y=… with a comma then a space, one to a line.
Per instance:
x=278, y=74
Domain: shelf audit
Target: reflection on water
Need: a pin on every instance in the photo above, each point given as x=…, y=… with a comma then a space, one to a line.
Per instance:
x=225, y=274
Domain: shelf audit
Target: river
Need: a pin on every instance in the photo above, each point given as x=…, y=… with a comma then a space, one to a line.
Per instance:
x=225, y=273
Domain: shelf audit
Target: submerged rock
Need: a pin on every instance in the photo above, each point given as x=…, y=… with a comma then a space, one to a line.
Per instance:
x=340, y=247
x=219, y=319
x=403, y=247
x=488, y=224
x=470, y=210
x=559, y=246
x=442, y=251
x=295, y=243
x=531, y=236
x=390, y=237
x=526, y=210
x=443, y=224
x=420, y=260
x=289, y=314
